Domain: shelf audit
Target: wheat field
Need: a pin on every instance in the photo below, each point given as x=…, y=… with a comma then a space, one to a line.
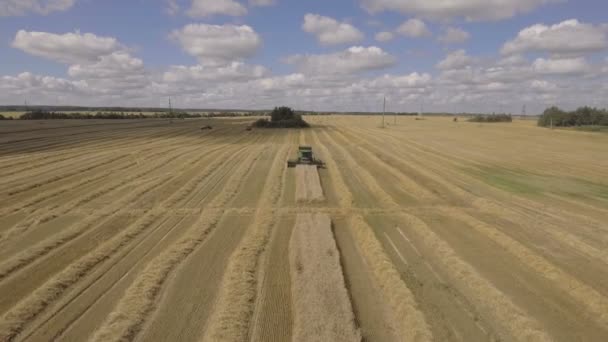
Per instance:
x=426, y=230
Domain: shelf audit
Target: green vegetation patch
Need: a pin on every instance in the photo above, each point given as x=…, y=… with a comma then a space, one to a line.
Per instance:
x=527, y=183
x=494, y=118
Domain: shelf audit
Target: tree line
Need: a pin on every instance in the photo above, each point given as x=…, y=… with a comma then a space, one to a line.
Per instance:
x=492, y=118
x=46, y=115
x=583, y=116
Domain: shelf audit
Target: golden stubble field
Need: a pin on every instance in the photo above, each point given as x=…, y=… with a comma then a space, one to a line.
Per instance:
x=425, y=230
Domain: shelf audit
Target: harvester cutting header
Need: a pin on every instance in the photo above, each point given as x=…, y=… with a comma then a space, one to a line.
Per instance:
x=305, y=157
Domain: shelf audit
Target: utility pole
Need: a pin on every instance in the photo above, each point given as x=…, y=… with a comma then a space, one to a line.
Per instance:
x=170, y=108
x=383, y=111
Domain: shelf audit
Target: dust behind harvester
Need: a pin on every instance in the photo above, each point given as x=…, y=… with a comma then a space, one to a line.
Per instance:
x=305, y=157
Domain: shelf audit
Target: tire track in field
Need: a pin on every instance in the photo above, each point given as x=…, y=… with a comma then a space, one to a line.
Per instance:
x=101, y=289
x=40, y=167
x=540, y=217
x=235, y=305
x=42, y=158
x=164, y=144
x=132, y=310
x=519, y=202
x=411, y=187
x=53, y=179
x=14, y=320
x=397, y=300
x=345, y=196
x=512, y=320
x=99, y=219
x=403, y=317
x=594, y=303
x=60, y=209
x=386, y=201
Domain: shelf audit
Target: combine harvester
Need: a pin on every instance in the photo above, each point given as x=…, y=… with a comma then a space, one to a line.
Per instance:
x=305, y=157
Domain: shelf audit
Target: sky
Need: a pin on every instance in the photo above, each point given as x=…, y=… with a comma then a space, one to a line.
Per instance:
x=339, y=55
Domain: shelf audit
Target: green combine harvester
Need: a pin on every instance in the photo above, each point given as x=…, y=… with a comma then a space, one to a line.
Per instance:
x=305, y=157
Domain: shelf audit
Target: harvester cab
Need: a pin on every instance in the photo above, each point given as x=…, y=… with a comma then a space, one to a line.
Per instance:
x=305, y=157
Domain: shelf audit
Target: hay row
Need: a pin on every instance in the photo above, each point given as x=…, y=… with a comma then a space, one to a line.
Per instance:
x=236, y=300
x=14, y=320
x=370, y=181
x=413, y=188
x=344, y=195
x=322, y=309
x=512, y=321
x=308, y=184
x=403, y=317
x=44, y=247
x=127, y=318
x=591, y=300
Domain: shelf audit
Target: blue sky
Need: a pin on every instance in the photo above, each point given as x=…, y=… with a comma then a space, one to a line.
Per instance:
x=276, y=67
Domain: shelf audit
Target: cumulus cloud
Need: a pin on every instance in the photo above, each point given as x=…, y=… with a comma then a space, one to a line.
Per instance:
x=414, y=28
x=353, y=60
x=206, y=8
x=384, y=36
x=234, y=71
x=22, y=7
x=568, y=37
x=561, y=66
x=456, y=60
x=116, y=65
x=454, y=35
x=471, y=10
x=217, y=44
x=65, y=48
x=262, y=2
x=172, y=7
x=329, y=31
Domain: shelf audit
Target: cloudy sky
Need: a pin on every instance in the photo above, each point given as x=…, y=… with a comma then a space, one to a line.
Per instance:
x=443, y=55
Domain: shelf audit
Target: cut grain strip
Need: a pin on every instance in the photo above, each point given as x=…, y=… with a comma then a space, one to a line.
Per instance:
x=322, y=308
x=370, y=181
x=126, y=320
x=595, y=304
x=511, y=321
x=14, y=320
x=235, y=304
x=345, y=196
x=308, y=184
x=403, y=318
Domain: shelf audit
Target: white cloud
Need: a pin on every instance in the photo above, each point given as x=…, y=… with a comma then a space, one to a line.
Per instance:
x=384, y=36
x=217, y=44
x=414, y=28
x=561, y=66
x=262, y=2
x=172, y=7
x=567, y=37
x=456, y=60
x=353, y=60
x=235, y=71
x=22, y=7
x=543, y=86
x=206, y=8
x=115, y=65
x=471, y=10
x=329, y=31
x=65, y=48
x=413, y=80
x=454, y=35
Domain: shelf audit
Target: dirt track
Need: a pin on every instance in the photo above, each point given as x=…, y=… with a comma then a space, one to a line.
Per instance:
x=146, y=230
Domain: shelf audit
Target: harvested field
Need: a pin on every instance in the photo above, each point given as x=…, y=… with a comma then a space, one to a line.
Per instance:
x=321, y=305
x=308, y=184
x=427, y=230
